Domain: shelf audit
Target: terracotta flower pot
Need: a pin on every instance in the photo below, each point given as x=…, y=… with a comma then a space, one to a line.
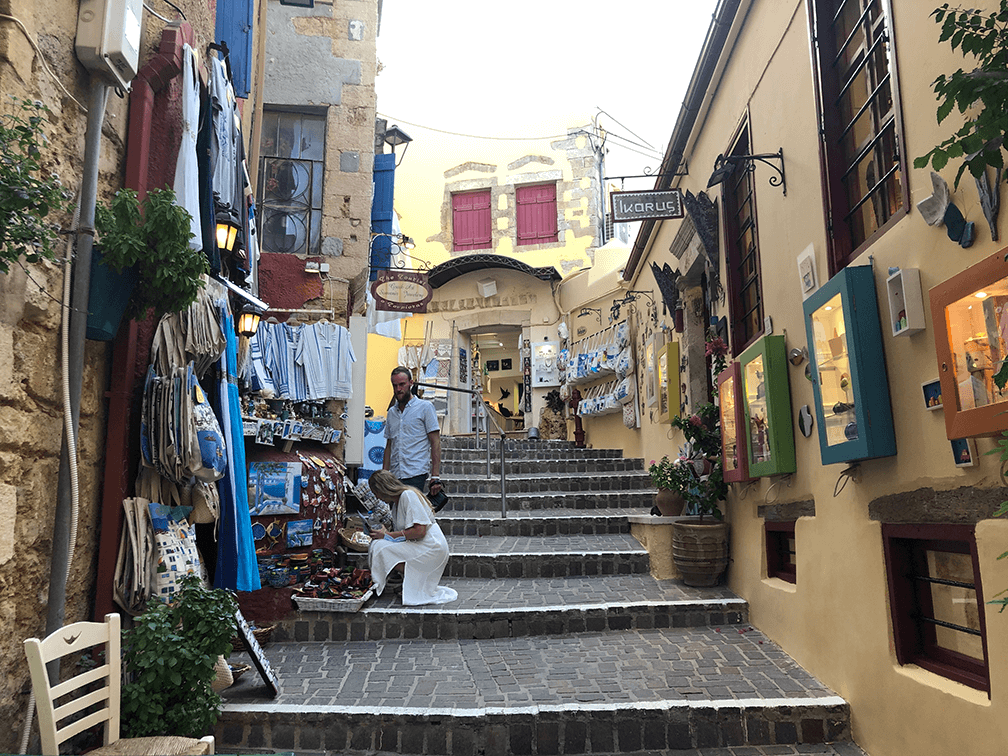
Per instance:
x=669, y=502
x=700, y=551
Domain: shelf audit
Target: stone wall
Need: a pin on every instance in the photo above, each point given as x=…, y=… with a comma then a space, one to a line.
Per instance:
x=31, y=419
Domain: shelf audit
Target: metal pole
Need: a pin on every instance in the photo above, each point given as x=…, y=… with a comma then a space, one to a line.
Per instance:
x=503, y=492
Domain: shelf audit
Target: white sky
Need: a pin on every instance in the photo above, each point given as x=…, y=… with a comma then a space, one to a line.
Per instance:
x=522, y=67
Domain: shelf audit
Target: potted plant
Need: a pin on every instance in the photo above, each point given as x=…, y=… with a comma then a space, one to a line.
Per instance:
x=30, y=196
x=150, y=242
x=665, y=474
x=169, y=656
x=700, y=546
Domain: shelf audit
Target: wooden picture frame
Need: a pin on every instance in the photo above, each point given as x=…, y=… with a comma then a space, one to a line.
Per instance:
x=649, y=377
x=506, y=363
x=492, y=366
x=932, y=394
x=667, y=374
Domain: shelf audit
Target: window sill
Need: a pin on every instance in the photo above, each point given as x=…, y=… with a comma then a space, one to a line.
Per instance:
x=942, y=684
x=778, y=584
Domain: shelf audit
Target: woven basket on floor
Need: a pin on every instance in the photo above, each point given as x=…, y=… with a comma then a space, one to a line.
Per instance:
x=355, y=540
x=224, y=679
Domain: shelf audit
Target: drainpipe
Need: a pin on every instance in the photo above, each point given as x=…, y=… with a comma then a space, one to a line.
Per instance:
x=65, y=515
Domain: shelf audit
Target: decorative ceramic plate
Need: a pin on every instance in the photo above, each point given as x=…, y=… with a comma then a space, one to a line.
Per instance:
x=258, y=531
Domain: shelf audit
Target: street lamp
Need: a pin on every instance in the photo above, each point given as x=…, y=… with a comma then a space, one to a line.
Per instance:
x=227, y=230
x=394, y=136
x=248, y=320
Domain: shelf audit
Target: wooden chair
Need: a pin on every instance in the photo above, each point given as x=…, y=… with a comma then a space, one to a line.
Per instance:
x=59, y=723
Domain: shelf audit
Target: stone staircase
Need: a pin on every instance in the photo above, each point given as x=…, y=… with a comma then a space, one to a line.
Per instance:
x=560, y=642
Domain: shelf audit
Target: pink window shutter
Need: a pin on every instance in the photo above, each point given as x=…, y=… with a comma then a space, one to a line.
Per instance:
x=471, y=220
x=537, y=214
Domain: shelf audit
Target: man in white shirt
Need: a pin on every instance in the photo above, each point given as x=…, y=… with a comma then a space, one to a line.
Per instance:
x=413, y=436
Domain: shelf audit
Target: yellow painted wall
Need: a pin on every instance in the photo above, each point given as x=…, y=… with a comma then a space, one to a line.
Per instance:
x=836, y=620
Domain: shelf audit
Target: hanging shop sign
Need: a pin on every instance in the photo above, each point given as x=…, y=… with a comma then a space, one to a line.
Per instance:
x=401, y=291
x=628, y=207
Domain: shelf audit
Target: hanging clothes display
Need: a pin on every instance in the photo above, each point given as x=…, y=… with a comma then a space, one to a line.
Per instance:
x=224, y=147
x=325, y=352
x=187, y=194
x=208, y=219
x=237, y=567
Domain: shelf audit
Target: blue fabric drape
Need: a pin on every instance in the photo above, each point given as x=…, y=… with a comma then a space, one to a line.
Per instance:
x=237, y=567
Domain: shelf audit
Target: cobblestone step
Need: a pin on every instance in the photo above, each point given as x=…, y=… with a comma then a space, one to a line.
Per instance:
x=543, y=556
x=571, y=481
x=538, y=522
x=562, y=465
x=512, y=608
x=617, y=692
x=530, y=501
x=533, y=452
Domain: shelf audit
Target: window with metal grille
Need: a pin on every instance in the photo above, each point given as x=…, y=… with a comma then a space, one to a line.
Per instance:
x=292, y=151
x=745, y=290
x=936, y=600
x=471, y=220
x=780, y=550
x=537, y=214
x=863, y=161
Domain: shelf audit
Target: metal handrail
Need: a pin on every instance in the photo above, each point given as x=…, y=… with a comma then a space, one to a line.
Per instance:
x=482, y=404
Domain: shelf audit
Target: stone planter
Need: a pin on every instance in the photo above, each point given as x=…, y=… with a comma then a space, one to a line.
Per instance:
x=700, y=551
x=669, y=503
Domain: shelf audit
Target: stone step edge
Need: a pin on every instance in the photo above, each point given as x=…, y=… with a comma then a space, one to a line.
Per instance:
x=552, y=553
x=699, y=605
x=807, y=702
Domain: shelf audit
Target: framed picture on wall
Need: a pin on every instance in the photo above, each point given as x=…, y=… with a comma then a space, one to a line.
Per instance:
x=492, y=365
x=964, y=452
x=650, y=383
x=932, y=394
x=506, y=363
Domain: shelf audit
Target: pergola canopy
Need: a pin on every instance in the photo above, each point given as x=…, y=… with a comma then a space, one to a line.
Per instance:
x=459, y=266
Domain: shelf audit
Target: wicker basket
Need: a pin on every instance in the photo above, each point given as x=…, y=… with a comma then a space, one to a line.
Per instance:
x=261, y=634
x=355, y=540
x=308, y=604
x=237, y=670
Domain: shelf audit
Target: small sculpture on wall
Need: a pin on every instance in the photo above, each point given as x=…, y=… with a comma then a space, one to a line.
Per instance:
x=939, y=208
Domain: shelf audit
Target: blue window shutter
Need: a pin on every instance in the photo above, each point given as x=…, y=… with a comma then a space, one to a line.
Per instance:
x=234, y=26
x=381, y=212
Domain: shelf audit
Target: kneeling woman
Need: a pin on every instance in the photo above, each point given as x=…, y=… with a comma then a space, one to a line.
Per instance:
x=421, y=557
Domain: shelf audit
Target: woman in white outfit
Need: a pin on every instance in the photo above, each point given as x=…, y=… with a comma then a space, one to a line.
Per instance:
x=415, y=546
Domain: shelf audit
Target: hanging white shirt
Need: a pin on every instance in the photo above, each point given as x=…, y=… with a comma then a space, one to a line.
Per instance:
x=325, y=352
x=186, y=184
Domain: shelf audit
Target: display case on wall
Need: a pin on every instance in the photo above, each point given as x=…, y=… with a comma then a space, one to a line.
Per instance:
x=767, y=408
x=669, y=398
x=970, y=321
x=733, y=441
x=853, y=412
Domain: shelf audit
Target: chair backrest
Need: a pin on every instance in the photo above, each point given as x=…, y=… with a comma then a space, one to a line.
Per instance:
x=94, y=692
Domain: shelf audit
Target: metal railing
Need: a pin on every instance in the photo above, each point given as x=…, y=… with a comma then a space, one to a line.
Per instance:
x=482, y=405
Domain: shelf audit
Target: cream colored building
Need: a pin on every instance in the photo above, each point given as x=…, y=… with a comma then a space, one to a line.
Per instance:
x=765, y=83
x=495, y=288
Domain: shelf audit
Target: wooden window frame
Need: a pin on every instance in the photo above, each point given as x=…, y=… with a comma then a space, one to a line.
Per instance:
x=828, y=89
x=474, y=244
x=915, y=640
x=741, y=144
x=534, y=236
x=778, y=534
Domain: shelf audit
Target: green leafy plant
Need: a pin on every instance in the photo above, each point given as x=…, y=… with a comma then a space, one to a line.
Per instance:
x=169, y=656
x=982, y=92
x=30, y=196
x=152, y=237
x=697, y=474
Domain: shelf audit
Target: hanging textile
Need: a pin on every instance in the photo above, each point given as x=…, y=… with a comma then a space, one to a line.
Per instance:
x=208, y=218
x=187, y=194
x=224, y=147
x=237, y=567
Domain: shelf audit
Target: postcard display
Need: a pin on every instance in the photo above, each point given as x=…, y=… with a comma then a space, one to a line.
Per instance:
x=766, y=397
x=295, y=491
x=853, y=411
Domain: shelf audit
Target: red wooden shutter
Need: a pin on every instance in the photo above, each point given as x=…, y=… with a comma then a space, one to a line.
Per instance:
x=471, y=220
x=537, y=214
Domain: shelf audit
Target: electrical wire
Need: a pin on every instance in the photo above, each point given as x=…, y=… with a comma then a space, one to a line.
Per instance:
x=627, y=128
x=475, y=136
x=41, y=57
x=155, y=13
